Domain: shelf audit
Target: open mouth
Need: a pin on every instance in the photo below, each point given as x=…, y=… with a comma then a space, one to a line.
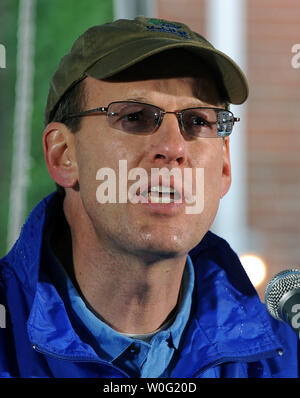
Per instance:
x=161, y=194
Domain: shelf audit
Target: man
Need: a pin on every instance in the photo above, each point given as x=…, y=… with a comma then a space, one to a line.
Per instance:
x=124, y=280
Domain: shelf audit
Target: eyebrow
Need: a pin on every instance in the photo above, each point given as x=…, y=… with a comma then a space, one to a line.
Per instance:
x=137, y=99
x=145, y=100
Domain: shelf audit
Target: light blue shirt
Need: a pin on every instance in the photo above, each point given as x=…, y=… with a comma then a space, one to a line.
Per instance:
x=138, y=358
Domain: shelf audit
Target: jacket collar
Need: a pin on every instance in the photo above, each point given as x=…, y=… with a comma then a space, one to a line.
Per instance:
x=230, y=323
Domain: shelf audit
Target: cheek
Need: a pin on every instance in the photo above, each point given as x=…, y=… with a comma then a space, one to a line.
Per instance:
x=87, y=162
x=211, y=161
x=102, y=149
x=209, y=157
x=213, y=172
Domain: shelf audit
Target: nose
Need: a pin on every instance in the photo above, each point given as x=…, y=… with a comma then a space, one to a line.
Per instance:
x=168, y=145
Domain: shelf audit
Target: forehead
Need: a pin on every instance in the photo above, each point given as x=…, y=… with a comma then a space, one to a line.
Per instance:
x=173, y=71
x=153, y=91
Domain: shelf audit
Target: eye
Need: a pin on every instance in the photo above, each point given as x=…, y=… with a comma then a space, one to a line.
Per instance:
x=196, y=123
x=132, y=117
x=199, y=121
x=127, y=115
x=130, y=113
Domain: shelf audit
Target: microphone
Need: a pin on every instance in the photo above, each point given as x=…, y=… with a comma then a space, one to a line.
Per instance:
x=282, y=298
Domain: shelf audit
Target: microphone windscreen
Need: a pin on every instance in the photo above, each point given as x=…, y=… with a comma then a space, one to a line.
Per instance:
x=282, y=283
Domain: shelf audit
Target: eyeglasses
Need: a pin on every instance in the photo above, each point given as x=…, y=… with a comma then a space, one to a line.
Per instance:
x=143, y=119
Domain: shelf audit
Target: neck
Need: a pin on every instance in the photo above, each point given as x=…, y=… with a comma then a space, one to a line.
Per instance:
x=127, y=292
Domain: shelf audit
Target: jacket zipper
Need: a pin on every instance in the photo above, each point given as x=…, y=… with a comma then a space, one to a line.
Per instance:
x=71, y=359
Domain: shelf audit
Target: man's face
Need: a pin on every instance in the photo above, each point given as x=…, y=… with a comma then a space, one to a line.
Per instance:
x=149, y=229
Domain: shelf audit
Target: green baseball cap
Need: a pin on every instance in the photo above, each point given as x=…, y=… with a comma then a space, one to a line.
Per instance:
x=105, y=50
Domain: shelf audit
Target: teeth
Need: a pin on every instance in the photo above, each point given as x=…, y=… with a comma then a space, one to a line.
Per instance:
x=161, y=194
x=162, y=189
x=160, y=199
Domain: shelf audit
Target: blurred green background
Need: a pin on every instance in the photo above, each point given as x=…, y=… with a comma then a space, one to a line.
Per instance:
x=57, y=25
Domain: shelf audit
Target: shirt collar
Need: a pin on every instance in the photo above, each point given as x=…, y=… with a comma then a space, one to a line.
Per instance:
x=99, y=334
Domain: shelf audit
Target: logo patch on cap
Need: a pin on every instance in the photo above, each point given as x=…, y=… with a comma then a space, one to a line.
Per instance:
x=159, y=25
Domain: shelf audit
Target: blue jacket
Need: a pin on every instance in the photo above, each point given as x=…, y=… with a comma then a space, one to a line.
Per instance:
x=229, y=333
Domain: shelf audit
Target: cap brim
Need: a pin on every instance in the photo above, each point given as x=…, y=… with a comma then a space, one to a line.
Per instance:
x=232, y=77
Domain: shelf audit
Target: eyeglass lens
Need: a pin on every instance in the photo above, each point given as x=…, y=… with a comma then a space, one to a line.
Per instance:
x=140, y=118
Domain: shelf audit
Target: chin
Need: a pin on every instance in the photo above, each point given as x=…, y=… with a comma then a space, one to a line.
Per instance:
x=163, y=246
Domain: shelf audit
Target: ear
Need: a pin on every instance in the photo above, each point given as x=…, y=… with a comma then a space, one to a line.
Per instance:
x=58, y=144
x=226, y=169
